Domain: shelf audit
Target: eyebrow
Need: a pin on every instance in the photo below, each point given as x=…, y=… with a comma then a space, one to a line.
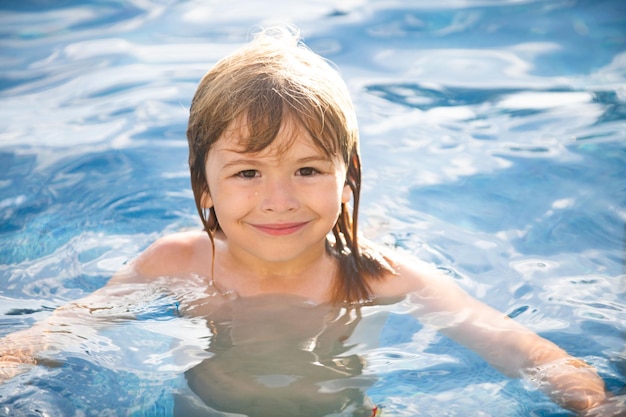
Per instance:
x=255, y=162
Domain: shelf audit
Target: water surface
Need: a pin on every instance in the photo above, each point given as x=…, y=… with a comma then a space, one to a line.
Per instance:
x=493, y=141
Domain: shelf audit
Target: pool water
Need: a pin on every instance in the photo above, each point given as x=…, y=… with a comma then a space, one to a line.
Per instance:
x=493, y=142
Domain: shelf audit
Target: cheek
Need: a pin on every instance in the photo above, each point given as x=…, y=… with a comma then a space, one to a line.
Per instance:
x=233, y=202
x=333, y=197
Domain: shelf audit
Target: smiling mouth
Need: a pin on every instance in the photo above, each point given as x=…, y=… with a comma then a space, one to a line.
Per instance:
x=280, y=229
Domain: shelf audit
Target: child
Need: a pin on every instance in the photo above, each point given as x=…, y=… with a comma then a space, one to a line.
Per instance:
x=274, y=163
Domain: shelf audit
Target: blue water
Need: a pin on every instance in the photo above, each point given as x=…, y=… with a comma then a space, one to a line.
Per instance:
x=493, y=143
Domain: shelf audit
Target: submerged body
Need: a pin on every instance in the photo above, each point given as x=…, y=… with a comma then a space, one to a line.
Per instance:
x=279, y=356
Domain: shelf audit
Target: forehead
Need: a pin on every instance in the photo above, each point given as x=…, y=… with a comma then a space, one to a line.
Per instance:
x=291, y=135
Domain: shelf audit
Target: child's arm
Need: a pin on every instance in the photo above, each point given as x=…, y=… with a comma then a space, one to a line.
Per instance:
x=68, y=325
x=507, y=345
x=118, y=299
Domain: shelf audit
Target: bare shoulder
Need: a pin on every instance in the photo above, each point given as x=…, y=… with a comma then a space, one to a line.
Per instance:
x=178, y=254
x=431, y=290
x=410, y=276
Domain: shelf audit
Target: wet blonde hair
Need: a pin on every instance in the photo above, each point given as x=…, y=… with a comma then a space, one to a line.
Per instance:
x=272, y=78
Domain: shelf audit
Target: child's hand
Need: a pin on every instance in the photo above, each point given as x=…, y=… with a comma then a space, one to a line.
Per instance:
x=18, y=351
x=11, y=365
x=570, y=382
x=613, y=406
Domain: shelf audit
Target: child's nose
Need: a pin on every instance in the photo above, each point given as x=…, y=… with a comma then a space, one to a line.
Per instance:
x=279, y=196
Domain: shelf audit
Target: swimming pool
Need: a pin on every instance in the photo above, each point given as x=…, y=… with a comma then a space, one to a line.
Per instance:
x=493, y=140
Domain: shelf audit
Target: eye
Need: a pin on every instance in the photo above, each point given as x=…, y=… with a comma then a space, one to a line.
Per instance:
x=307, y=171
x=248, y=173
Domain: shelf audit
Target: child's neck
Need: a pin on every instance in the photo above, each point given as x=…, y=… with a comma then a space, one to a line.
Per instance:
x=310, y=276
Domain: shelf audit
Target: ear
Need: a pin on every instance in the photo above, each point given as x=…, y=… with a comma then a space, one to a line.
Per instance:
x=346, y=194
x=206, y=200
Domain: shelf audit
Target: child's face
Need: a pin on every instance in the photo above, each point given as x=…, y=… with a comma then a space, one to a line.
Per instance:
x=279, y=204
